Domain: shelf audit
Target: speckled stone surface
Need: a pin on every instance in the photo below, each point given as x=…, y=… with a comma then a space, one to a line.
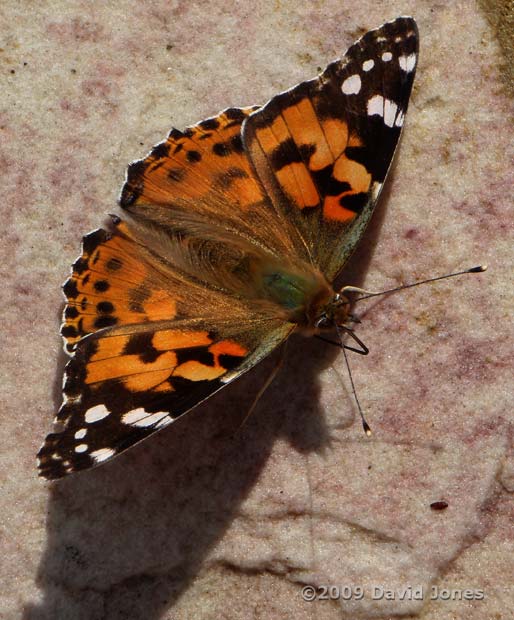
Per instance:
x=197, y=523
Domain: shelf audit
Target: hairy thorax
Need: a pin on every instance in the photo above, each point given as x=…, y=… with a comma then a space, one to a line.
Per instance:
x=304, y=296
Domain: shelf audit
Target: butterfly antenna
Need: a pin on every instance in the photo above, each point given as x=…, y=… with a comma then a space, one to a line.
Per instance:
x=365, y=425
x=368, y=294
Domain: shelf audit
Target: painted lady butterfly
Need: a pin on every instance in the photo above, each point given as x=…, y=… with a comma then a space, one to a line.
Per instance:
x=238, y=227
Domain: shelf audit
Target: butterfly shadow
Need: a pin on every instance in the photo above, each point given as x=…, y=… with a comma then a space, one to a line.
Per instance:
x=128, y=538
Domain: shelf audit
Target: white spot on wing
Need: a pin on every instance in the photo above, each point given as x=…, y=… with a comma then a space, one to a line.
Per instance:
x=141, y=418
x=387, y=56
x=352, y=85
x=367, y=65
x=165, y=421
x=399, y=119
x=82, y=447
x=390, y=109
x=407, y=63
x=102, y=455
x=81, y=433
x=375, y=190
x=386, y=108
x=376, y=105
x=134, y=416
x=96, y=413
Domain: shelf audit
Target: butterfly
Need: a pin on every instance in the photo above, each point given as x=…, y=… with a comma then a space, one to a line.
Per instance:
x=235, y=230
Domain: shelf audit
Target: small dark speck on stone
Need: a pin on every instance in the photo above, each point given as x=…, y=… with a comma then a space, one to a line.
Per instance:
x=73, y=70
x=13, y=71
x=169, y=47
x=440, y=505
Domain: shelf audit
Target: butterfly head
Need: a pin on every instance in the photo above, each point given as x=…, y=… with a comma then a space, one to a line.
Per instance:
x=335, y=312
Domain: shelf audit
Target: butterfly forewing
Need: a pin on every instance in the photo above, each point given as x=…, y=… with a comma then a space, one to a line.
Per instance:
x=322, y=149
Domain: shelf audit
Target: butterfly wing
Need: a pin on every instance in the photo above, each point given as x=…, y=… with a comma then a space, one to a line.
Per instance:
x=201, y=182
x=322, y=149
x=144, y=351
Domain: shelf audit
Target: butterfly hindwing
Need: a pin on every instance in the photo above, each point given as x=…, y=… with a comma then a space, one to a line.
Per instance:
x=322, y=149
x=113, y=283
x=142, y=354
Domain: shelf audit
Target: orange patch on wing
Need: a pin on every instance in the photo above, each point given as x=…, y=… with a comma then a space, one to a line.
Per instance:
x=279, y=130
x=196, y=371
x=353, y=173
x=146, y=381
x=165, y=386
x=160, y=306
x=128, y=367
x=359, y=179
x=228, y=347
x=336, y=133
x=247, y=191
x=305, y=128
x=354, y=140
x=109, y=347
x=266, y=139
x=297, y=182
x=332, y=210
x=169, y=339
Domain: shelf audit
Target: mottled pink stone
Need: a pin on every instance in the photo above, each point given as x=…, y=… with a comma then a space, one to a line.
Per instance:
x=202, y=523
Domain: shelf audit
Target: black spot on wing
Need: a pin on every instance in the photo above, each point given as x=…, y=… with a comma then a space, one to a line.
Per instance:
x=141, y=345
x=101, y=286
x=68, y=331
x=193, y=156
x=71, y=312
x=210, y=124
x=221, y=149
x=160, y=150
x=114, y=264
x=285, y=154
x=230, y=362
x=105, y=307
x=354, y=202
x=105, y=321
x=80, y=265
x=225, y=179
x=195, y=354
x=70, y=288
x=134, y=185
x=328, y=184
x=176, y=174
x=91, y=241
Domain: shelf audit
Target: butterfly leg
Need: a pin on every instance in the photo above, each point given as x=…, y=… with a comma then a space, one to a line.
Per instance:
x=362, y=351
x=267, y=383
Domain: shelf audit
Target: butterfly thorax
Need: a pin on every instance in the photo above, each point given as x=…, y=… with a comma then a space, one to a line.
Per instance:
x=304, y=296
